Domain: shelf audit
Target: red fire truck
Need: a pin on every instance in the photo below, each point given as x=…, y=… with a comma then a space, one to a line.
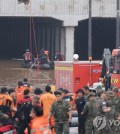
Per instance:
x=76, y=74
x=111, y=64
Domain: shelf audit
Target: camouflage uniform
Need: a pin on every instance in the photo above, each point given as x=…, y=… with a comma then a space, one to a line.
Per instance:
x=91, y=111
x=114, y=103
x=60, y=110
x=107, y=128
x=117, y=113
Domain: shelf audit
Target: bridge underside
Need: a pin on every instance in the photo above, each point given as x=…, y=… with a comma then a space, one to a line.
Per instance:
x=51, y=35
x=103, y=36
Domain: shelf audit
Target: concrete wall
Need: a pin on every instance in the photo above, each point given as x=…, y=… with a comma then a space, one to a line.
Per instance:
x=60, y=9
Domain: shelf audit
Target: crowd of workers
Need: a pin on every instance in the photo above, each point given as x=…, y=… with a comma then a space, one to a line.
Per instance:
x=36, y=111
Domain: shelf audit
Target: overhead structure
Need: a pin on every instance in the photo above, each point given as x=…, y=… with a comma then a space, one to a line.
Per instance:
x=118, y=25
x=90, y=30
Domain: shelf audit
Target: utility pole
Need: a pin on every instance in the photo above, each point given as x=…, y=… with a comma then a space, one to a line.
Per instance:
x=90, y=31
x=118, y=25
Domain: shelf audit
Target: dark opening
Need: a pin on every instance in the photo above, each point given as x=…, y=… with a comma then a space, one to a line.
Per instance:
x=15, y=35
x=103, y=36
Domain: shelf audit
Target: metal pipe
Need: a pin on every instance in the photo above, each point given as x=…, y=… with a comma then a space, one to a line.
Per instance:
x=118, y=25
x=90, y=30
x=90, y=38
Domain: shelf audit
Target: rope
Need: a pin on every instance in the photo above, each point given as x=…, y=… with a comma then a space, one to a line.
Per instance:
x=32, y=29
x=35, y=38
x=31, y=34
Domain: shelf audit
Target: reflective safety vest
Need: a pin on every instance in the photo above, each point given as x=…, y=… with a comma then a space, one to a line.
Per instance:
x=28, y=56
x=19, y=94
x=40, y=125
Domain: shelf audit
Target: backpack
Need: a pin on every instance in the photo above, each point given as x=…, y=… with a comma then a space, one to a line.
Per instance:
x=24, y=111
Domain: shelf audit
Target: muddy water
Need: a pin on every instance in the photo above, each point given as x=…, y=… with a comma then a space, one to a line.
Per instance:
x=11, y=72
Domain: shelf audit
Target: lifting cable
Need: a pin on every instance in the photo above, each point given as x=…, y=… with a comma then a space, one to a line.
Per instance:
x=32, y=29
x=35, y=43
x=30, y=34
x=37, y=53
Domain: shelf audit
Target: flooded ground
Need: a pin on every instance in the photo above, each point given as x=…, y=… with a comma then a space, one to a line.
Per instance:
x=11, y=72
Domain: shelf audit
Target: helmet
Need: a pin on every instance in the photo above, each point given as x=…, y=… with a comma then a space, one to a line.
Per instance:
x=91, y=94
x=115, y=89
x=65, y=91
x=57, y=51
x=27, y=50
x=109, y=94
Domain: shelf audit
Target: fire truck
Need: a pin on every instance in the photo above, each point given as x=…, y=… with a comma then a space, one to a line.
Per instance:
x=75, y=75
x=111, y=66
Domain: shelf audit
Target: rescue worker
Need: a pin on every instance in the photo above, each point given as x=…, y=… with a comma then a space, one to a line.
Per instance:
x=12, y=95
x=47, y=100
x=38, y=92
x=59, y=56
x=26, y=83
x=44, y=57
x=80, y=103
x=3, y=119
x=35, y=100
x=90, y=111
x=114, y=103
x=107, y=81
x=6, y=102
x=28, y=57
x=67, y=97
x=39, y=123
x=42, y=51
x=60, y=90
x=86, y=92
x=19, y=92
x=116, y=100
x=112, y=64
x=115, y=91
x=23, y=113
x=62, y=113
x=104, y=110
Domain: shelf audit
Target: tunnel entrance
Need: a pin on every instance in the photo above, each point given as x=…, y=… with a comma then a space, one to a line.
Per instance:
x=15, y=36
x=103, y=36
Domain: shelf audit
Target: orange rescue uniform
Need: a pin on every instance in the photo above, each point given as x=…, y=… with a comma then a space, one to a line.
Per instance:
x=20, y=93
x=47, y=100
x=40, y=125
x=4, y=98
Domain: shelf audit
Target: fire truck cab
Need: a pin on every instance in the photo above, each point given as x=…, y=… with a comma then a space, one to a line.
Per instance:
x=111, y=64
